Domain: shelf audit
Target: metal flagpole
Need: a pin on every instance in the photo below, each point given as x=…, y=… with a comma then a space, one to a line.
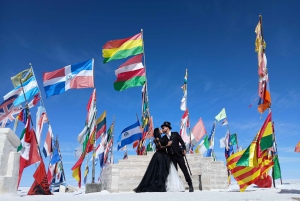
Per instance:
x=94, y=139
x=146, y=85
x=275, y=143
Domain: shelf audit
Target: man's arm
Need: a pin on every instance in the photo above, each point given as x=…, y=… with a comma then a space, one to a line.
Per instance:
x=181, y=141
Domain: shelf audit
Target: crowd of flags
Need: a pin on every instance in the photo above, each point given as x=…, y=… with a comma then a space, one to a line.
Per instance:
x=248, y=166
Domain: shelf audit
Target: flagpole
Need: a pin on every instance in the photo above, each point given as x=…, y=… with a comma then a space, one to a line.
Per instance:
x=94, y=140
x=146, y=84
x=188, y=120
x=275, y=143
x=63, y=170
x=112, y=145
x=48, y=122
x=237, y=143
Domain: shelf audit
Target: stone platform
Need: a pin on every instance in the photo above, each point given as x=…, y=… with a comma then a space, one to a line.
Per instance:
x=9, y=161
x=125, y=175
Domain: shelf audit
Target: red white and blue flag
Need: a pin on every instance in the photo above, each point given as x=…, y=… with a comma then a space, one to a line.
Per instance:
x=7, y=110
x=75, y=76
x=47, y=150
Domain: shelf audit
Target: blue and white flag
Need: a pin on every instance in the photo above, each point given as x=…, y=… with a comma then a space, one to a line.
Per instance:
x=75, y=76
x=129, y=135
x=211, y=141
x=30, y=88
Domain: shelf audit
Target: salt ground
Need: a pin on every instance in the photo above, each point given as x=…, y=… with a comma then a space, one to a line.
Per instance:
x=289, y=190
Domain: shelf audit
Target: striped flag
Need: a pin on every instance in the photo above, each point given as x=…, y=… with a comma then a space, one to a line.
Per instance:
x=122, y=48
x=41, y=118
x=130, y=74
x=225, y=122
x=244, y=175
x=101, y=125
x=47, y=150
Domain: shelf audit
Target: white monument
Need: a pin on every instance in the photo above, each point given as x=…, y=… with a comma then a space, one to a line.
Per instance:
x=9, y=161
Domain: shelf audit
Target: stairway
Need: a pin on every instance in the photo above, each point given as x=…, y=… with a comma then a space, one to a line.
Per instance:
x=127, y=174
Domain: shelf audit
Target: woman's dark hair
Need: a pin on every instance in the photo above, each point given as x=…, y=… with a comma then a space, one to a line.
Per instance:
x=156, y=133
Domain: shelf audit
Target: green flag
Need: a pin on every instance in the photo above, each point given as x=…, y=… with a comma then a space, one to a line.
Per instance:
x=149, y=147
x=221, y=115
x=233, y=139
x=277, y=171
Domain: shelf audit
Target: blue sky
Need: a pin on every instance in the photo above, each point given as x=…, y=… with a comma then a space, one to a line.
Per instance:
x=213, y=39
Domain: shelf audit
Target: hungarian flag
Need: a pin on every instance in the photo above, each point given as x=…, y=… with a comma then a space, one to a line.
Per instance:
x=40, y=185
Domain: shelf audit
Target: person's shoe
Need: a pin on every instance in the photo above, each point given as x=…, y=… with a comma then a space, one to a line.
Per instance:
x=191, y=189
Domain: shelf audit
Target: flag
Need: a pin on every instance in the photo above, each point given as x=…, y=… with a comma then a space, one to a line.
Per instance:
x=184, y=124
x=233, y=139
x=30, y=88
x=76, y=170
x=150, y=129
x=122, y=48
x=78, y=152
x=203, y=146
x=35, y=100
x=125, y=155
x=22, y=76
x=297, y=148
x=55, y=156
x=277, y=170
x=228, y=145
x=50, y=172
x=130, y=74
x=262, y=141
x=47, y=150
x=29, y=151
x=75, y=76
x=101, y=125
x=41, y=118
x=263, y=83
x=245, y=175
x=149, y=146
x=100, y=154
x=221, y=115
x=40, y=185
x=183, y=105
x=86, y=172
x=199, y=130
x=211, y=141
x=225, y=122
x=7, y=110
x=129, y=135
x=108, y=143
x=22, y=116
x=265, y=136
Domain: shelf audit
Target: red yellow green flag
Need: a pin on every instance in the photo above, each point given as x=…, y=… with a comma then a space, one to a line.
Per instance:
x=122, y=48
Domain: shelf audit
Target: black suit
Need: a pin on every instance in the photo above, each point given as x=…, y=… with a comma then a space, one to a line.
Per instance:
x=175, y=152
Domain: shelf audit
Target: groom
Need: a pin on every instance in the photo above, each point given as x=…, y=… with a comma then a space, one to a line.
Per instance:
x=175, y=152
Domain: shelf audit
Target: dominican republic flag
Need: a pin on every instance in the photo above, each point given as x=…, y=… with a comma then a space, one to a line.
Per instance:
x=129, y=135
x=75, y=76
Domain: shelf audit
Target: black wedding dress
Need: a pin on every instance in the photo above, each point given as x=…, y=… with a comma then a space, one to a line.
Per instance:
x=155, y=177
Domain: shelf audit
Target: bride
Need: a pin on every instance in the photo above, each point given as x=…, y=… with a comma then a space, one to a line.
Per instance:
x=161, y=174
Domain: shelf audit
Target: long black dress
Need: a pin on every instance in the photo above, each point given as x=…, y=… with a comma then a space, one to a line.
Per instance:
x=157, y=172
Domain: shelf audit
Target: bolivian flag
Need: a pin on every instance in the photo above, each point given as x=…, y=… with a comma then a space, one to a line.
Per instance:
x=122, y=48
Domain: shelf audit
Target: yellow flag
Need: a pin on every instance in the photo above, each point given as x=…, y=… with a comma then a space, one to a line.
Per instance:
x=221, y=115
x=24, y=75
